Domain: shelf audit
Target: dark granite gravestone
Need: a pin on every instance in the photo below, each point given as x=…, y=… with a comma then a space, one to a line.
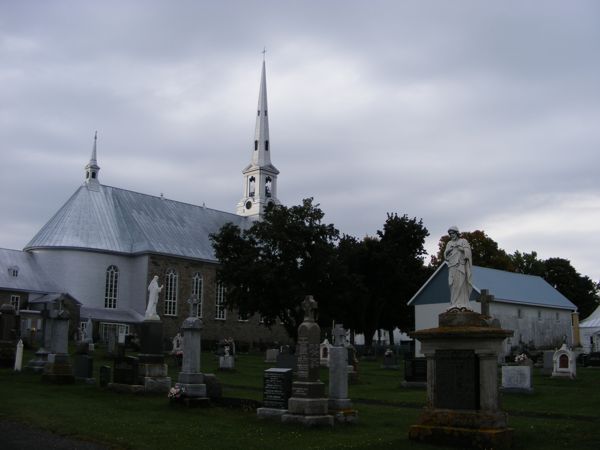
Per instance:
x=415, y=372
x=8, y=334
x=152, y=370
x=125, y=370
x=286, y=361
x=390, y=361
x=83, y=367
x=277, y=388
x=456, y=379
x=104, y=375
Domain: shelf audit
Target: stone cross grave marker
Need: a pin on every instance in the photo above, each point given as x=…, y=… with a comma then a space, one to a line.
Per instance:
x=485, y=298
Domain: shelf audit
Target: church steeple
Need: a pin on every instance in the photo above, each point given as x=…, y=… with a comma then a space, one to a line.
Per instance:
x=260, y=177
x=92, y=168
x=261, y=156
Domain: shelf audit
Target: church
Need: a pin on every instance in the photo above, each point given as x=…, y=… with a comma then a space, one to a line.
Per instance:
x=105, y=244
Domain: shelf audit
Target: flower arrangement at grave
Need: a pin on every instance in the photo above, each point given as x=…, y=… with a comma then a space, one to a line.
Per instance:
x=176, y=393
x=521, y=359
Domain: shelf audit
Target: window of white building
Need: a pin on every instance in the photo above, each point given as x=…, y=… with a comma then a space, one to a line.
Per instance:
x=111, y=288
x=15, y=300
x=106, y=328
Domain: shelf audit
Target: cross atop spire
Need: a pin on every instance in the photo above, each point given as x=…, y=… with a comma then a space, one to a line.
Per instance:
x=92, y=168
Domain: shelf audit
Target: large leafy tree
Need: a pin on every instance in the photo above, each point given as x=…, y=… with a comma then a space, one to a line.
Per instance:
x=383, y=273
x=581, y=290
x=272, y=265
x=528, y=263
x=486, y=252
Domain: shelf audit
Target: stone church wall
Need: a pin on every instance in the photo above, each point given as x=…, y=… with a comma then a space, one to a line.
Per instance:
x=246, y=333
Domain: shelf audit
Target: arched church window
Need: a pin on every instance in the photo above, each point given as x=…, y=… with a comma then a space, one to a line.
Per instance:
x=255, y=145
x=197, y=290
x=251, y=186
x=220, y=309
x=266, y=146
x=111, y=288
x=268, y=184
x=171, y=293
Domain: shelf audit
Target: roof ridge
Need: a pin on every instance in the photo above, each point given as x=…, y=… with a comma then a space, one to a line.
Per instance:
x=169, y=200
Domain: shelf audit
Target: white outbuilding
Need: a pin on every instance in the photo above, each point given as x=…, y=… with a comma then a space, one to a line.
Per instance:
x=540, y=316
x=589, y=330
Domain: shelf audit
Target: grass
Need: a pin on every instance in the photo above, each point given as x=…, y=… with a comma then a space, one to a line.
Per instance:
x=560, y=414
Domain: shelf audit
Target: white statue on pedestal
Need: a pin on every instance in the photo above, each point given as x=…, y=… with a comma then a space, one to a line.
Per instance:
x=153, y=291
x=458, y=257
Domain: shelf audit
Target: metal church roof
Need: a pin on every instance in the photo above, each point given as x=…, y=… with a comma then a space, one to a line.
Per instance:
x=117, y=220
x=507, y=287
x=19, y=271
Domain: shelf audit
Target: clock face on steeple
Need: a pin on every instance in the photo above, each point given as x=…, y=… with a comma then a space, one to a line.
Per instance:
x=248, y=204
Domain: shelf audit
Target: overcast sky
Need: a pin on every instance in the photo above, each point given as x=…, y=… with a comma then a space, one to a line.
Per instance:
x=484, y=115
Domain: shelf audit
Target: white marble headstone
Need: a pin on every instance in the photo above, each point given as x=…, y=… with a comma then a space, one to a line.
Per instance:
x=516, y=378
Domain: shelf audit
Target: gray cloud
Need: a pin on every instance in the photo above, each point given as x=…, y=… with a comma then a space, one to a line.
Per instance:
x=478, y=114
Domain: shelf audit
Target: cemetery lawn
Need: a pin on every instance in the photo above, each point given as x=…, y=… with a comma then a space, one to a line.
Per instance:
x=559, y=414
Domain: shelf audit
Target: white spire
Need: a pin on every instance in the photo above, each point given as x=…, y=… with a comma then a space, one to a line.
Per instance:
x=261, y=157
x=92, y=168
x=260, y=177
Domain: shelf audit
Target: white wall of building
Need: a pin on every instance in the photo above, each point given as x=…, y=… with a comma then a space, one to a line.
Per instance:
x=83, y=275
x=542, y=327
x=590, y=339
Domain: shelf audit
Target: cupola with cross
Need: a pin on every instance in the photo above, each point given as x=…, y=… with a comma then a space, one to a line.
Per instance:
x=92, y=169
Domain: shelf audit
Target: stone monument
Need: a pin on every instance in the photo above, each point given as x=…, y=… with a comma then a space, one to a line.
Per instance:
x=8, y=335
x=19, y=356
x=517, y=379
x=41, y=355
x=308, y=404
x=277, y=390
x=339, y=403
x=564, y=365
x=152, y=370
x=191, y=379
x=58, y=369
x=462, y=377
x=227, y=360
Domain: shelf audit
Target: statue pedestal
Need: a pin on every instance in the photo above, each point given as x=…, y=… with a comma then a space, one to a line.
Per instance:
x=462, y=383
x=152, y=370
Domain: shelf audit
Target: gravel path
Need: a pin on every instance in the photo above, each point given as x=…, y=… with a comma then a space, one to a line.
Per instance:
x=19, y=436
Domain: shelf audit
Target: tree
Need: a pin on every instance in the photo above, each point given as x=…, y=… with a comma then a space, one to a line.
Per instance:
x=384, y=272
x=581, y=290
x=559, y=272
x=485, y=250
x=528, y=263
x=270, y=267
